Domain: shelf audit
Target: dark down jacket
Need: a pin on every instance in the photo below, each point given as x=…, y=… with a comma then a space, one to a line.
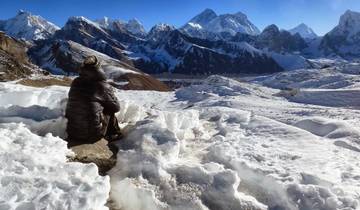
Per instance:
x=91, y=98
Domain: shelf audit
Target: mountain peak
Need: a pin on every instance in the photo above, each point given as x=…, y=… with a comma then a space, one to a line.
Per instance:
x=304, y=31
x=163, y=27
x=343, y=39
x=271, y=27
x=135, y=27
x=104, y=22
x=159, y=30
x=27, y=26
x=241, y=15
x=349, y=23
x=350, y=15
x=204, y=17
x=134, y=21
x=209, y=11
x=23, y=12
x=208, y=23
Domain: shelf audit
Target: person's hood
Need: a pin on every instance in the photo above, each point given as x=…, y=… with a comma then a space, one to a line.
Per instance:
x=91, y=69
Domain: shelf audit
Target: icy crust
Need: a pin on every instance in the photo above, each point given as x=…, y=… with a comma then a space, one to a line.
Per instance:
x=35, y=174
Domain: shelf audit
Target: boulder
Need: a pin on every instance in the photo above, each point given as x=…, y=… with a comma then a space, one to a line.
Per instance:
x=100, y=153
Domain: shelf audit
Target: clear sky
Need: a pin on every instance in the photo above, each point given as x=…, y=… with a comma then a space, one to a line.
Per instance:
x=321, y=15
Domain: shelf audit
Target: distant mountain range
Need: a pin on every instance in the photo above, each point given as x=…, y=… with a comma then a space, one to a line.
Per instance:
x=208, y=44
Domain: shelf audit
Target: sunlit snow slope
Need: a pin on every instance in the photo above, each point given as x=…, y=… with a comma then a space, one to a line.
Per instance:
x=223, y=144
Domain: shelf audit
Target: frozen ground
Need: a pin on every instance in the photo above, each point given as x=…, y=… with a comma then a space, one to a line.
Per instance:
x=222, y=144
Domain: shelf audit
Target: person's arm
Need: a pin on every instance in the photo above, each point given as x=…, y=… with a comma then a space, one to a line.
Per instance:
x=107, y=99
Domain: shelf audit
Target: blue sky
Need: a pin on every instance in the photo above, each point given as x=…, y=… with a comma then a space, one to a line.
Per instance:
x=321, y=15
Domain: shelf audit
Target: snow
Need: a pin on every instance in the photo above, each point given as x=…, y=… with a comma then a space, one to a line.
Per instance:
x=289, y=61
x=116, y=71
x=220, y=144
x=328, y=97
x=195, y=25
x=35, y=174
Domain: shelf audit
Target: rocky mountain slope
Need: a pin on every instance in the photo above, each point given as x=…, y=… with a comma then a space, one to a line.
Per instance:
x=66, y=57
x=14, y=62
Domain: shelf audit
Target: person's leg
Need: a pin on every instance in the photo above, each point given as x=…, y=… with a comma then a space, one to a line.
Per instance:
x=113, y=131
x=106, y=123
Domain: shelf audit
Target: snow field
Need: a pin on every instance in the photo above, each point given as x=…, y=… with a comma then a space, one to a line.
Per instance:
x=222, y=144
x=259, y=161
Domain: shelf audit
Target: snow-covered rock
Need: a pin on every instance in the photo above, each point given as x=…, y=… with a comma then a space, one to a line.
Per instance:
x=304, y=31
x=27, y=26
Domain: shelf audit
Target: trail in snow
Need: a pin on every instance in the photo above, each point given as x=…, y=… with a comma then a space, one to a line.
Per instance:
x=222, y=144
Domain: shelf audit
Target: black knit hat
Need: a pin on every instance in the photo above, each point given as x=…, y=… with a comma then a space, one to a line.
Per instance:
x=91, y=69
x=91, y=61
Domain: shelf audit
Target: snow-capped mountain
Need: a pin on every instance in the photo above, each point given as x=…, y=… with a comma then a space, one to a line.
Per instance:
x=159, y=30
x=133, y=26
x=344, y=39
x=304, y=31
x=209, y=23
x=169, y=50
x=27, y=26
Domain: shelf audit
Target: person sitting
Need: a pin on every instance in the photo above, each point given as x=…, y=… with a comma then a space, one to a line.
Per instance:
x=91, y=106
